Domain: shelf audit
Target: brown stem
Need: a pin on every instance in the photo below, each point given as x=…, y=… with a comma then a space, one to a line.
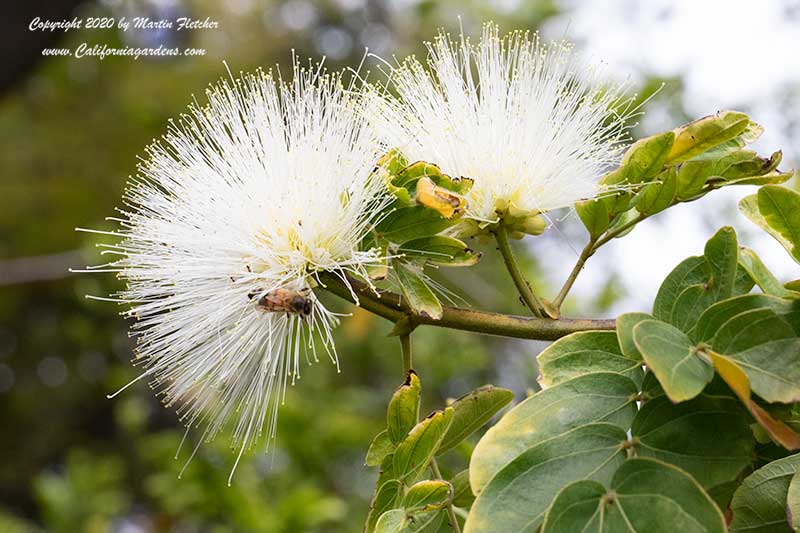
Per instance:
x=522, y=284
x=391, y=306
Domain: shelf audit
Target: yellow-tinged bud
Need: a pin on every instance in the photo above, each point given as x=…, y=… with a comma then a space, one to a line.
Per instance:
x=446, y=203
x=534, y=225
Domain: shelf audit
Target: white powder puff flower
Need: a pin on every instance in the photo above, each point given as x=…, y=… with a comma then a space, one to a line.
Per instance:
x=527, y=121
x=227, y=223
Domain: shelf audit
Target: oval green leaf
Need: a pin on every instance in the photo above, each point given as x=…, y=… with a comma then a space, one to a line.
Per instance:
x=403, y=411
x=759, y=504
x=428, y=495
x=517, y=498
x=584, y=353
x=407, y=223
x=381, y=447
x=598, y=397
x=441, y=250
x=415, y=452
x=673, y=358
x=773, y=369
x=703, y=134
x=646, y=496
x=718, y=314
x=472, y=411
x=658, y=195
x=708, y=436
x=419, y=296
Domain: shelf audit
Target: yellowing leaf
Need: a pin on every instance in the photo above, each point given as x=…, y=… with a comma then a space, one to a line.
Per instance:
x=737, y=380
x=446, y=203
x=706, y=133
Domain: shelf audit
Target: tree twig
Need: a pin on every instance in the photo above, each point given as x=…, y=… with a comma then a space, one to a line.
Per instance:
x=391, y=306
x=522, y=284
x=451, y=515
x=405, y=348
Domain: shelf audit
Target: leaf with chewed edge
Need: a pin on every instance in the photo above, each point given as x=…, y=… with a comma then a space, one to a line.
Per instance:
x=416, y=451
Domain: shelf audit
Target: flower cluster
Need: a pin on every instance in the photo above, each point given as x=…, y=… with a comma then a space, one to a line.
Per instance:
x=246, y=200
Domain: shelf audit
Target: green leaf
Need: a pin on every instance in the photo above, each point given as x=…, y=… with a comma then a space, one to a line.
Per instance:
x=407, y=223
x=584, y=353
x=691, y=271
x=718, y=314
x=722, y=254
x=440, y=250
x=759, y=504
x=393, y=521
x=773, y=369
x=781, y=204
x=772, y=178
x=425, y=522
x=750, y=135
x=518, y=496
x=387, y=471
x=673, y=358
x=386, y=497
x=580, y=506
x=698, y=282
x=403, y=411
x=419, y=296
x=628, y=217
x=594, y=215
x=625, y=325
x=381, y=447
x=599, y=397
x=428, y=495
x=765, y=280
x=645, y=496
x=703, y=134
x=657, y=196
x=392, y=162
x=472, y=411
x=748, y=329
x=617, y=202
x=780, y=208
x=692, y=176
x=415, y=453
x=409, y=175
x=462, y=493
x=740, y=164
x=793, y=502
x=741, y=167
x=646, y=157
x=708, y=436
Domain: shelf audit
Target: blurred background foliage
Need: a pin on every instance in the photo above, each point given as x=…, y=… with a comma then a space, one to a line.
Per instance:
x=71, y=131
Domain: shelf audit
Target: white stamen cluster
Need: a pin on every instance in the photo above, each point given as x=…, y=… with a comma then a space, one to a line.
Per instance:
x=532, y=125
x=266, y=185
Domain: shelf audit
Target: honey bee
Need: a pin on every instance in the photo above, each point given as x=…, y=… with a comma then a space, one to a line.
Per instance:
x=285, y=301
